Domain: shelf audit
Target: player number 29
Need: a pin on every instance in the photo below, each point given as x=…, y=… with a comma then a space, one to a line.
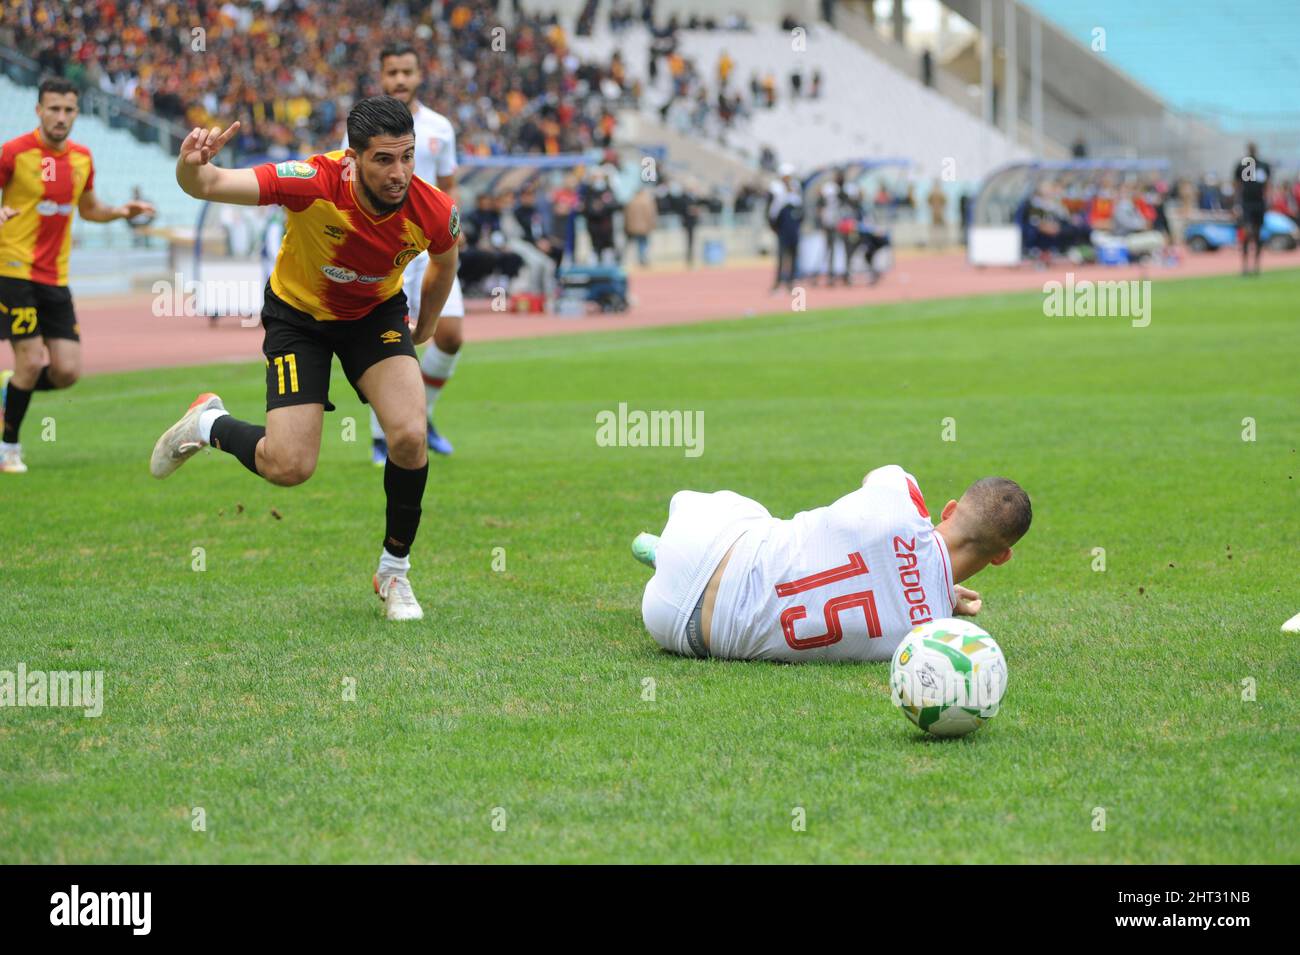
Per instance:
x=24, y=320
x=291, y=362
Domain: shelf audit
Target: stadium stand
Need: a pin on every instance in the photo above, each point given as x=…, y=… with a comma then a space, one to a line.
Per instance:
x=864, y=108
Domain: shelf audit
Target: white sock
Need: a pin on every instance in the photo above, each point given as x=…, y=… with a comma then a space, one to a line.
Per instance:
x=390, y=566
x=436, y=365
x=6, y=446
x=376, y=432
x=205, y=423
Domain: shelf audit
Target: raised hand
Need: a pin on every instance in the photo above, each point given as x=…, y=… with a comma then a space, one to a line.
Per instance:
x=202, y=144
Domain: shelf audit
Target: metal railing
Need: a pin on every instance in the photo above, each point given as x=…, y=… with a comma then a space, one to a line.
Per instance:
x=113, y=110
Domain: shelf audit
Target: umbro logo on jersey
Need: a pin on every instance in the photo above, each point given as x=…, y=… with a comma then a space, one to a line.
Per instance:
x=405, y=256
x=390, y=337
x=334, y=232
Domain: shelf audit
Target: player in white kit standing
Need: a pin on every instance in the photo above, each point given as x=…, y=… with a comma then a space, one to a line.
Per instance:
x=435, y=162
x=843, y=582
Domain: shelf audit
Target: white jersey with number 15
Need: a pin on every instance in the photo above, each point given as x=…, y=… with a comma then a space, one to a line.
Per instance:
x=842, y=582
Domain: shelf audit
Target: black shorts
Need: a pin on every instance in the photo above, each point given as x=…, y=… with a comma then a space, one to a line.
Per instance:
x=29, y=309
x=299, y=349
x=1252, y=216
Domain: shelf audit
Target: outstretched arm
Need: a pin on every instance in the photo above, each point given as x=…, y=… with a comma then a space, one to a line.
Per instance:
x=92, y=210
x=199, y=178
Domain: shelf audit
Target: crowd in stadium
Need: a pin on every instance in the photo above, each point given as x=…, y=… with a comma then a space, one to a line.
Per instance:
x=1075, y=216
x=290, y=71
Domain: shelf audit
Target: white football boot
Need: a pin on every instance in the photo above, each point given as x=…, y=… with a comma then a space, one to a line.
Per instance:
x=181, y=441
x=11, y=459
x=399, y=601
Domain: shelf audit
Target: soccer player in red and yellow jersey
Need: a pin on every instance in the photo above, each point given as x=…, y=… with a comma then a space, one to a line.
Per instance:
x=44, y=176
x=355, y=218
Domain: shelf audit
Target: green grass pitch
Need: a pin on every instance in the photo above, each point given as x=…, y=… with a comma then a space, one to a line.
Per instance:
x=522, y=690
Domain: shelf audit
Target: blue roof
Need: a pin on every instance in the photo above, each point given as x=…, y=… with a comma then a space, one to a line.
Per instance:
x=1237, y=61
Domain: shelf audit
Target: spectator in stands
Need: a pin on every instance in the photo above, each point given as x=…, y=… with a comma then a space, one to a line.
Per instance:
x=726, y=66
x=871, y=238
x=937, y=200
x=830, y=210
x=882, y=199
x=816, y=91
x=746, y=198
x=640, y=216
x=480, y=222
x=527, y=216
x=686, y=206
x=796, y=83
x=1131, y=226
x=785, y=215
x=1101, y=206
x=288, y=71
x=598, y=208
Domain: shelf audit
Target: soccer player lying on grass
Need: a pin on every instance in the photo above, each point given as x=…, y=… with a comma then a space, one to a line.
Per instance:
x=844, y=582
x=355, y=218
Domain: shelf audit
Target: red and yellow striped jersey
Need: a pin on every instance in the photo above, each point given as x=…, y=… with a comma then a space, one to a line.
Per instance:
x=44, y=186
x=337, y=262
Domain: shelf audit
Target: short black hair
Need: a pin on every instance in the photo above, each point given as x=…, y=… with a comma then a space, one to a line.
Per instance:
x=56, y=84
x=378, y=116
x=397, y=49
x=999, y=513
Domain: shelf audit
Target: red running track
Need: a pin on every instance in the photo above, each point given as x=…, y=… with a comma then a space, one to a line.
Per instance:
x=121, y=333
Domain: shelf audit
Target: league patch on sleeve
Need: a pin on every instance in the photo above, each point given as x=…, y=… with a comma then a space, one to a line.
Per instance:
x=453, y=224
x=294, y=169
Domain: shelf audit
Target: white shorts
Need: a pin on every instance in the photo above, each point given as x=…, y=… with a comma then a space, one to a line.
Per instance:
x=700, y=529
x=411, y=279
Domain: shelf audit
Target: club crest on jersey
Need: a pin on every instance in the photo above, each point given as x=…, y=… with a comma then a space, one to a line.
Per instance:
x=294, y=169
x=405, y=256
x=453, y=226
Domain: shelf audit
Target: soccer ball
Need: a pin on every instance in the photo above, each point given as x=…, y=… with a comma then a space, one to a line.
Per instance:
x=948, y=676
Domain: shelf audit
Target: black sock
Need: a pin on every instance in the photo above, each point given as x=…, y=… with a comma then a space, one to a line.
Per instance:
x=239, y=438
x=16, y=400
x=43, y=382
x=405, y=491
